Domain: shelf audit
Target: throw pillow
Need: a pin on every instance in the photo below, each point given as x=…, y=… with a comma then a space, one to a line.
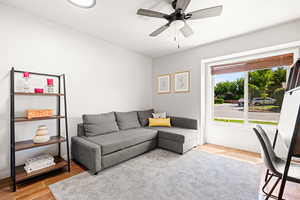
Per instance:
x=159, y=115
x=159, y=122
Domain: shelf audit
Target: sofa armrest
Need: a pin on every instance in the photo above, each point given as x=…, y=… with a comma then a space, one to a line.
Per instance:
x=183, y=122
x=86, y=153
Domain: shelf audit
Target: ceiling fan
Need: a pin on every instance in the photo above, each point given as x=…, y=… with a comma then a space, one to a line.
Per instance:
x=179, y=15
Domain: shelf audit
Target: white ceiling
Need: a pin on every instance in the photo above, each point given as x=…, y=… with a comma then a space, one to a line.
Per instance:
x=117, y=22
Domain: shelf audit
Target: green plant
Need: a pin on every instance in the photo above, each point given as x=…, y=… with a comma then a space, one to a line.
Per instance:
x=254, y=91
x=230, y=90
x=278, y=96
x=219, y=101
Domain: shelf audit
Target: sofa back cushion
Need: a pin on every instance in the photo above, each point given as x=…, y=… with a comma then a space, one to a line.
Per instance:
x=144, y=116
x=127, y=120
x=99, y=124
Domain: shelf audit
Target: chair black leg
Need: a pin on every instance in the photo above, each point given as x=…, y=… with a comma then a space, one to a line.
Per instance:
x=267, y=175
x=265, y=185
x=272, y=189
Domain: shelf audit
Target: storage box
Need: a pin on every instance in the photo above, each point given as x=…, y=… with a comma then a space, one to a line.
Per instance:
x=30, y=114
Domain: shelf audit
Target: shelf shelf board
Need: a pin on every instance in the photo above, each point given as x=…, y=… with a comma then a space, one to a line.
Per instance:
x=22, y=175
x=24, y=119
x=29, y=144
x=38, y=94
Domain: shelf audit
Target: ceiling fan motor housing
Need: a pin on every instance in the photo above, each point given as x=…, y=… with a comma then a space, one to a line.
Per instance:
x=178, y=14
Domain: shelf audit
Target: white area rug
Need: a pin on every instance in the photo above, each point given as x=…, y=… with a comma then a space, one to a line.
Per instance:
x=162, y=175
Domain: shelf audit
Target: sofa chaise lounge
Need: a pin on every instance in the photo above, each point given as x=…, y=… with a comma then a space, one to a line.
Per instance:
x=107, y=139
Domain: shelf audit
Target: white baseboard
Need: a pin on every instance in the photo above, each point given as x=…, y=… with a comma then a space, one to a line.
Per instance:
x=4, y=174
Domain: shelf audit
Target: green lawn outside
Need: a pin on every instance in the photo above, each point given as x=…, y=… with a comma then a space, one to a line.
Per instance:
x=242, y=121
x=266, y=108
x=230, y=120
x=263, y=122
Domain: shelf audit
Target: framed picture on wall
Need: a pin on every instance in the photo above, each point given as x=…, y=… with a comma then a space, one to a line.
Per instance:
x=182, y=82
x=164, y=84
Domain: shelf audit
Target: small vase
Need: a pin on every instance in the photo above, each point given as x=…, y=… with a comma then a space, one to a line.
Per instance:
x=50, y=85
x=26, y=85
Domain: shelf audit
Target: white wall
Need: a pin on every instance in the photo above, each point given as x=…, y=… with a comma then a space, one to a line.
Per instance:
x=188, y=104
x=101, y=77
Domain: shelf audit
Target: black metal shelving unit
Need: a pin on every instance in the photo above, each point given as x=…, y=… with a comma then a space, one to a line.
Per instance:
x=18, y=173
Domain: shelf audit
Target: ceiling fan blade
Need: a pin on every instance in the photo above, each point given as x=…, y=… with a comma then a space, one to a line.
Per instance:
x=205, y=13
x=186, y=31
x=151, y=13
x=182, y=4
x=160, y=30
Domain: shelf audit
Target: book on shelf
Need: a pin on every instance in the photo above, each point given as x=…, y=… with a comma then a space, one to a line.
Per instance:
x=39, y=162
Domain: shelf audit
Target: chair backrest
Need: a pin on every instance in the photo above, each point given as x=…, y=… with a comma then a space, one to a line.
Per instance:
x=268, y=153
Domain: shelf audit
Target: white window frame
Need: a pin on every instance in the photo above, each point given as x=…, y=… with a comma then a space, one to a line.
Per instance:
x=206, y=100
x=245, y=97
x=235, y=60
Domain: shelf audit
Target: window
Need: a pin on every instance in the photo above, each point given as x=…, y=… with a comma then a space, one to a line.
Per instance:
x=265, y=94
x=252, y=91
x=228, y=99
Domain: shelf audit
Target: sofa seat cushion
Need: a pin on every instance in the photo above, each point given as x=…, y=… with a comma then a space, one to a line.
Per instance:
x=116, y=141
x=176, y=134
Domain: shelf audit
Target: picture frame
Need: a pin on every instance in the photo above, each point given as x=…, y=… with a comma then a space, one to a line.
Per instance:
x=164, y=84
x=182, y=82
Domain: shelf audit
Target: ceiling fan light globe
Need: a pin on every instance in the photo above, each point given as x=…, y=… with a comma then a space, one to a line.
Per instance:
x=177, y=24
x=83, y=3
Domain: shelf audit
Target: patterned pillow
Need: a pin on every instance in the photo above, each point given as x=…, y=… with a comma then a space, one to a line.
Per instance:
x=159, y=115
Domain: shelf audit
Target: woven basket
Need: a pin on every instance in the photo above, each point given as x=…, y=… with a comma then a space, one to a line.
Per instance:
x=30, y=114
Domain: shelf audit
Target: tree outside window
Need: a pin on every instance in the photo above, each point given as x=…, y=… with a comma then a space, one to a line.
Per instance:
x=265, y=91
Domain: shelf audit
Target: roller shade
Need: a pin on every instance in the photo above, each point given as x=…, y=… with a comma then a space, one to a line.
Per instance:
x=262, y=63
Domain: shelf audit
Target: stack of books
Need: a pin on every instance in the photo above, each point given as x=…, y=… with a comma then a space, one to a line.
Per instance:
x=38, y=163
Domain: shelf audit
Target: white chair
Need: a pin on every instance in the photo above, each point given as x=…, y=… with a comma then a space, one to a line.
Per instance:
x=274, y=164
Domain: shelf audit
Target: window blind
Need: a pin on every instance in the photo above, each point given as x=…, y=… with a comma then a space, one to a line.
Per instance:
x=262, y=63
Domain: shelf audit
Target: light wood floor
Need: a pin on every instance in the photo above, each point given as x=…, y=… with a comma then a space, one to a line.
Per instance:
x=38, y=189
x=292, y=190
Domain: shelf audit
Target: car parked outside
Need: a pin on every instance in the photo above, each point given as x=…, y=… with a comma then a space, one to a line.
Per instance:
x=241, y=102
x=258, y=101
x=263, y=101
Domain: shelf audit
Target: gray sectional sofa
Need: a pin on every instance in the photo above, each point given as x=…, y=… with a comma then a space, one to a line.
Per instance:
x=107, y=139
